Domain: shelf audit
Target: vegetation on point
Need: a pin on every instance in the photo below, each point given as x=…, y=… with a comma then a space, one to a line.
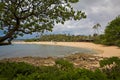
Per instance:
x=62, y=38
x=63, y=70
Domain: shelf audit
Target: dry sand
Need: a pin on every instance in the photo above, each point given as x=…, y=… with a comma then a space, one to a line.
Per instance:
x=104, y=51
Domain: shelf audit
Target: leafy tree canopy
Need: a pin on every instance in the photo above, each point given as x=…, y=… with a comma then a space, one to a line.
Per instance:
x=18, y=17
x=112, y=31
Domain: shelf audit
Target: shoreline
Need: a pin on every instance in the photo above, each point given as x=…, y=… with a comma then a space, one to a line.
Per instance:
x=103, y=51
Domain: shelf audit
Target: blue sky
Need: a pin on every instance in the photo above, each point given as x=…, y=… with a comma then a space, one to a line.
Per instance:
x=98, y=11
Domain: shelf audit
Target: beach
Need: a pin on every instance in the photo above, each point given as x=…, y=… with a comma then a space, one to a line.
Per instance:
x=103, y=51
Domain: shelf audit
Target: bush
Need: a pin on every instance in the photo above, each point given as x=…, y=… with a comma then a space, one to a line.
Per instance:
x=108, y=61
x=117, y=42
x=64, y=64
x=11, y=70
x=113, y=73
x=63, y=70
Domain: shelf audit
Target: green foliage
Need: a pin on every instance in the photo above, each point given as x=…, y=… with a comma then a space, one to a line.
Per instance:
x=63, y=70
x=85, y=74
x=99, y=39
x=112, y=33
x=113, y=73
x=108, y=61
x=73, y=1
x=64, y=64
x=117, y=42
x=11, y=70
x=62, y=38
x=28, y=16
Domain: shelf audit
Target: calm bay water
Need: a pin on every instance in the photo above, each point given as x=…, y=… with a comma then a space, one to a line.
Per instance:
x=22, y=50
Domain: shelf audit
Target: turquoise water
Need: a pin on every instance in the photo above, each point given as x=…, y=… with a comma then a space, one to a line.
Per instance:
x=22, y=50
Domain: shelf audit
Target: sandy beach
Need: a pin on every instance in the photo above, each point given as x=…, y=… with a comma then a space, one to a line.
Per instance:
x=104, y=51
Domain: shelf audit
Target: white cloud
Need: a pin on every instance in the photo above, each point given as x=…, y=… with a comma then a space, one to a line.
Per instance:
x=75, y=27
x=98, y=11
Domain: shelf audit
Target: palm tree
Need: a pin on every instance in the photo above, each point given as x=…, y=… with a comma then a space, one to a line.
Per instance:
x=96, y=28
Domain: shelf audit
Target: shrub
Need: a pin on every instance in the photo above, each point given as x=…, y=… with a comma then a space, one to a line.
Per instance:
x=63, y=70
x=112, y=73
x=10, y=70
x=117, y=42
x=64, y=64
x=108, y=61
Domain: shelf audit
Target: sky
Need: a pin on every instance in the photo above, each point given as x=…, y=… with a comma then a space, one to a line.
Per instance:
x=97, y=11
